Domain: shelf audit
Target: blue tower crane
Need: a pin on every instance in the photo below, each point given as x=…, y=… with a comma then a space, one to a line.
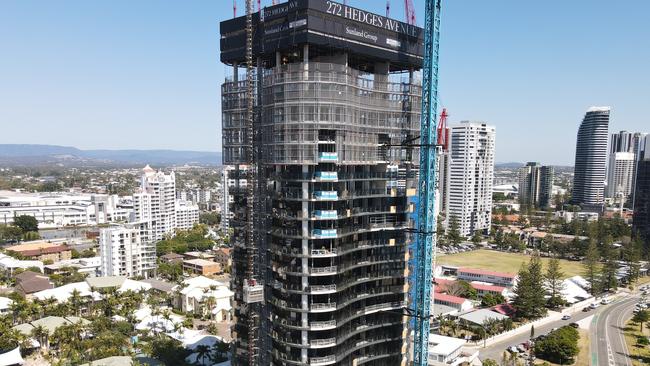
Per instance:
x=424, y=245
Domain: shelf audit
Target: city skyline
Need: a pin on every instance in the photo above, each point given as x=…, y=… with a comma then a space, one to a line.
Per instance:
x=79, y=68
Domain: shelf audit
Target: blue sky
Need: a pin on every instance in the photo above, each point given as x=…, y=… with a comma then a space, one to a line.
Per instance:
x=146, y=74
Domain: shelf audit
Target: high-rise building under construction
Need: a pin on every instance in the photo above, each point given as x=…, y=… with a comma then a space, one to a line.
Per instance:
x=322, y=136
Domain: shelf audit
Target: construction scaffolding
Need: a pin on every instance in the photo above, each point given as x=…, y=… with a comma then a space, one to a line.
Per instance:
x=324, y=202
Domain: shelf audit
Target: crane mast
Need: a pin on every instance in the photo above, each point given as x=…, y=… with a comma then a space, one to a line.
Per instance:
x=425, y=245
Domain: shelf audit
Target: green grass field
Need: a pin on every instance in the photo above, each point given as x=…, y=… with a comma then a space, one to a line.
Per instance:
x=502, y=262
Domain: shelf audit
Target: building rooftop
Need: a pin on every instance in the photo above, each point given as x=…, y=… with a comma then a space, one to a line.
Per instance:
x=160, y=285
x=62, y=293
x=29, y=282
x=487, y=287
x=481, y=316
x=439, y=309
x=599, y=109
x=442, y=345
x=200, y=262
x=505, y=309
x=486, y=272
x=105, y=282
x=37, y=248
x=199, y=254
x=449, y=298
x=372, y=37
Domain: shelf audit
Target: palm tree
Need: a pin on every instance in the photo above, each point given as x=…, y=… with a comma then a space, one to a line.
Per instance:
x=220, y=352
x=202, y=352
x=40, y=334
x=210, y=301
x=75, y=301
x=188, y=323
x=16, y=307
x=49, y=305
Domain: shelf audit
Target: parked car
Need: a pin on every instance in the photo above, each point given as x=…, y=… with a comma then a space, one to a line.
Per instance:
x=566, y=317
x=586, y=309
x=522, y=348
x=605, y=301
x=594, y=305
x=575, y=325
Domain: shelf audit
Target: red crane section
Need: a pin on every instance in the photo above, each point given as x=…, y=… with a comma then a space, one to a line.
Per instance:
x=409, y=12
x=443, y=131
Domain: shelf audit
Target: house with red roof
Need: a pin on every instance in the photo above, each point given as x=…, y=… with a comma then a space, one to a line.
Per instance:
x=455, y=302
x=441, y=285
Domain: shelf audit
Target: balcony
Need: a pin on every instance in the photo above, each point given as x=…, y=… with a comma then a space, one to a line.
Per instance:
x=323, y=325
x=322, y=361
x=328, y=157
x=322, y=307
x=326, y=195
x=324, y=233
x=321, y=289
x=325, y=214
x=322, y=343
x=323, y=271
x=326, y=176
x=323, y=253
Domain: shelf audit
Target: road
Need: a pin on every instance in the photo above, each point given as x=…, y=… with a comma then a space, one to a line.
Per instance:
x=608, y=345
x=495, y=351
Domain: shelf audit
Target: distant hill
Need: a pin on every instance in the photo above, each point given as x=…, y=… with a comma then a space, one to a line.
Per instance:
x=17, y=154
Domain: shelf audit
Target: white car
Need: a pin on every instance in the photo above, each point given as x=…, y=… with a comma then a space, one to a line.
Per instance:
x=594, y=305
x=566, y=317
x=605, y=301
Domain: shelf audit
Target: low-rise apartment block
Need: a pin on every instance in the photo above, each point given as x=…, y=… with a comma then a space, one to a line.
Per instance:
x=42, y=251
x=201, y=267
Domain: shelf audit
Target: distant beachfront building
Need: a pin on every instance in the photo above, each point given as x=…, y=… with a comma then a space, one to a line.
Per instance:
x=591, y=160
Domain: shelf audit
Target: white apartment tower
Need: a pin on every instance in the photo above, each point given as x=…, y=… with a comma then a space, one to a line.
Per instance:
x=127, y=251
x=620, y=177
x=470, y=172
x=155, y=202
x=187, y=214
x=624, y=151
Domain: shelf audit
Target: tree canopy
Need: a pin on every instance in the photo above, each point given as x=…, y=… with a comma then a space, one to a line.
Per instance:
x=560, y=346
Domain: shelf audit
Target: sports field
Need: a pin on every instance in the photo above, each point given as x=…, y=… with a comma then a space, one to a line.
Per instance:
x=502, y=262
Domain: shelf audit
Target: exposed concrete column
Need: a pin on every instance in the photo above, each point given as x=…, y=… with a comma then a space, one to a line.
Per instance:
x=235, y=71
x=304, y=316
x=305, y=60
x=381, y=75
x=278, y=59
